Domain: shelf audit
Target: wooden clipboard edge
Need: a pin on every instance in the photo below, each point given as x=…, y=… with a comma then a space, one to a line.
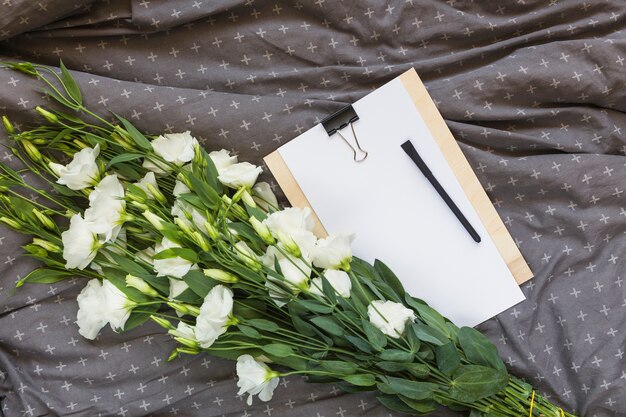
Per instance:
x=290, y=187
x=466, y=176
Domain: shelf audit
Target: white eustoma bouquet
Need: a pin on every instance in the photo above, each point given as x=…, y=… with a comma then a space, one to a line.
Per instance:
x=160, y=229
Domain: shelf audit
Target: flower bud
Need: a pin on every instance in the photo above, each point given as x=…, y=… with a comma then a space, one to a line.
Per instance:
x=141, y=285
x=248, y=256
x=140, y=205
x=156, y=193
x=184, y=225
x=221, y=276
x=51, y=117
x=45, y=220
x=155, y=220
x=247, y=198
x=162, y=322
x=49, y=246
x=80, y=144
x=214, y=234
x=11, y=223
x=201, y=241
x=187, y=342
x=8, y=125
x=184, y=308
x=262, y=230
x=173, y=355
x=31, y=150
x=36, y=251
x=188, y=351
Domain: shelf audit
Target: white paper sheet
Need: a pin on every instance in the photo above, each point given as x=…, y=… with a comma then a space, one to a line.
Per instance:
x=396, y=214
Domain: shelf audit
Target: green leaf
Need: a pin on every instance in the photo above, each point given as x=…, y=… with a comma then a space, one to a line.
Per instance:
x=328, y=324
x=419, y=407
x=340, y=367
x=475, y=382
x=448, y=359
x=125, y=157
x=207, y=194
x=249, y=331
x=429, y=315
x=359, y=343
x=377, y=338
x=390, y=278
x=135, y=134
x=361, y=380
x=117, y=277
x=278, y=349
x=300, y=325
x=138, y=318
x=393, y=403
x=416, y=390
x=128, y=172
x=315, y=306
x=262, y=324
x=45, y=276
x=428, y=334
x=199, y=283
x=187, y=254
x=396, y=355
x=478, y=349
x=70, y=85
x=417, y=369
x=127, y=265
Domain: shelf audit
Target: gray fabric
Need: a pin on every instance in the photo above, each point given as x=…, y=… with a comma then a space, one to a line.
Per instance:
x=533, y=91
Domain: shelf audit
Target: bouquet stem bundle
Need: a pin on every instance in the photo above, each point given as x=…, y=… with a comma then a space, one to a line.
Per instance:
x=163, y=230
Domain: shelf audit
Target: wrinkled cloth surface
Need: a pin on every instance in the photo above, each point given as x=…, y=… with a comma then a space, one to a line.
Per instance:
x=534, y=91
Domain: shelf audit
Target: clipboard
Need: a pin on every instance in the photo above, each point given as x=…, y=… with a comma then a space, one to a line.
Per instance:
x=457, y=162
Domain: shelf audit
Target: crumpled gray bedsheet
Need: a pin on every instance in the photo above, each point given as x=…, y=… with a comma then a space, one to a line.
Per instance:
x=533, y=91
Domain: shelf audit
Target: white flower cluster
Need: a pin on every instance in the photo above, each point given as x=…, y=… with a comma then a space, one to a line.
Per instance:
x=295, y=260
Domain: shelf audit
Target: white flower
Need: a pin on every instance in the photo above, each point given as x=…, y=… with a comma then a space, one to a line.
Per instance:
x=255, y=377
x=82, y=172
x=295, y=270
x=106, y=206
x=215, y=315
x=180, y=188
x=149, y=178
x=243, y=174
x=389, y=317
x=333, y=252
x=175, y=148
x=99, y=304
x=184, y=330
x=177, y=287
x=293, y=225
x=222, y=159
x=176, y=266
x=339, y=280
x=80, y=243
x=264, y=196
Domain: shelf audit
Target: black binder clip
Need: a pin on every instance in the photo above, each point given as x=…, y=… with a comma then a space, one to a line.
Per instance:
x=338, y=121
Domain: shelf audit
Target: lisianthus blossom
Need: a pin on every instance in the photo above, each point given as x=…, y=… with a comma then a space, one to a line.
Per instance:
x=106, y=207
x=215, y=315
x=174, y=266
x=175, y=148
x=339, y=280
x=255, y=377
x=333, y=252
x=80, y=243
x=82, y=172
x=296, y=271
x=293, y=226
x=222, y=159
x=389, y=317
x=243, y=174
x=264, y=196
x=100, y=303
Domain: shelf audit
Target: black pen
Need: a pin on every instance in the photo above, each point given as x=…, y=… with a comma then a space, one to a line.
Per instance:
x=417, y=159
